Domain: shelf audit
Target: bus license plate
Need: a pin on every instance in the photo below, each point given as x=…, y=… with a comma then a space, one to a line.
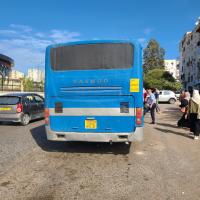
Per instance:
x=5, y=109
x=90, y=124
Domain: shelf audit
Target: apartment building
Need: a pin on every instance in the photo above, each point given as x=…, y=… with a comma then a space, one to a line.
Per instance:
x=14, y=74
x=36, y=75
x=172, y=66
x=190, y=58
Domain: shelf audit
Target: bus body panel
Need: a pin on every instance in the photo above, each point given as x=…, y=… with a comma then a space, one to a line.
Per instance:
x=137, y=135
x=96, y=94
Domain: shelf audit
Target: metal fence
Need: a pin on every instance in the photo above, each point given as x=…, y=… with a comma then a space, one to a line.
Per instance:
x=18, y=86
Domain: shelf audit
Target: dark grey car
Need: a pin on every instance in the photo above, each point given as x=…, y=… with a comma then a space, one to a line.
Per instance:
x=21, y=107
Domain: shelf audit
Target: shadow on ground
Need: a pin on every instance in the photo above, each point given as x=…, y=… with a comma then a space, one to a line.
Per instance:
x=167, y=125
x=18, y=123
x=9, y=124
x=39, y=136
x=174, y=132
x=171, y=114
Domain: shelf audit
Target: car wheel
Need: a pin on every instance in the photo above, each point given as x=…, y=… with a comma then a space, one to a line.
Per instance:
x=25, y=119
x=172, y=101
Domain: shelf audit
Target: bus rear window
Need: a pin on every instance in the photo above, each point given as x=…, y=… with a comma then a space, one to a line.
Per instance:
x=92, y=56
x=9, y=100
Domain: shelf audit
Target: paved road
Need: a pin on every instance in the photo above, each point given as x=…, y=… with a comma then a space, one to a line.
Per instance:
x=166, y=165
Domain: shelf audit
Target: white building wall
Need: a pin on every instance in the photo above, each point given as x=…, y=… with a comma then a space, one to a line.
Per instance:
x=14, y=74
x=36, y=75
x=172, y=66
x=190, y=58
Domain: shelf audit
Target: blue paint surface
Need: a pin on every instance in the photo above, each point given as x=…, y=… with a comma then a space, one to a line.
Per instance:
x=104, y=124
x=93, y=89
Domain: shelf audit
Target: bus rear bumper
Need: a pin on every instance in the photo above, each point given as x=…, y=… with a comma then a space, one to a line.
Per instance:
x=137, y=135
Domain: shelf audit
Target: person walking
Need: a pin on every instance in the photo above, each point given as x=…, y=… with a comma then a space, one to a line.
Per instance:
x=184, y=121
x=182, y=95
x=144, y=96
x=194, y=114
x=156, y=93
x=151, y=105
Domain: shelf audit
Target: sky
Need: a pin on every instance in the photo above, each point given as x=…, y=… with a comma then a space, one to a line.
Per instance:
x=28, y=27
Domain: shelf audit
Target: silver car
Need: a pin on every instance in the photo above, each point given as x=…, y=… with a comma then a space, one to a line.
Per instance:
x=167, y=96
x=21, y=107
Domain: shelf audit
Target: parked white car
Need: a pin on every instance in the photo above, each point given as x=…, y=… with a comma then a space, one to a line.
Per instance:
x=177, y=93
x=167, y=96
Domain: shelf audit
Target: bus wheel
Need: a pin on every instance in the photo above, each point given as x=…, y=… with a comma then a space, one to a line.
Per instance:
x=126, y=147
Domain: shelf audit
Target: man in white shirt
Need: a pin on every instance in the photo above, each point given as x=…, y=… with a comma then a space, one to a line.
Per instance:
x=151, y=102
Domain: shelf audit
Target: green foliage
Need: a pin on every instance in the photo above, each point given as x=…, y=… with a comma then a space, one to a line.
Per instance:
x=153, y=56
x=28, y=84
x=158, y=78
x=154, y=74
x=166, y=75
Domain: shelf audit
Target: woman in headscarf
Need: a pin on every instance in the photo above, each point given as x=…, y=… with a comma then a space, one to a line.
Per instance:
x=183, y=121
x=194, y=114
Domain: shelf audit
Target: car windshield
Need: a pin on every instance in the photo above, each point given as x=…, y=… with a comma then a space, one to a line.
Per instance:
x=9, y=100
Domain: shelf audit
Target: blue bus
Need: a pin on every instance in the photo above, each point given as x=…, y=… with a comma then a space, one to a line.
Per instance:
x=94, y=91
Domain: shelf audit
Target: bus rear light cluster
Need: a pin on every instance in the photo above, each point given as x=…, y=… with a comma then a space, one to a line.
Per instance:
x=19, y=108
x=139, y=114
x=46, y=116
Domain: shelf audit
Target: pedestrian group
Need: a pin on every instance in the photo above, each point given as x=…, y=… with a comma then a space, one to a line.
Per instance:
x=190, y=107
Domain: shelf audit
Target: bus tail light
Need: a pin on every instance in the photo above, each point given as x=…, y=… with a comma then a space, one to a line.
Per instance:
x=19, y=108
x=139, y=115
x=46, y=116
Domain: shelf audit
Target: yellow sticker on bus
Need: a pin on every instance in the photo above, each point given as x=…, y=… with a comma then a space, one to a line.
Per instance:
x=134, y=85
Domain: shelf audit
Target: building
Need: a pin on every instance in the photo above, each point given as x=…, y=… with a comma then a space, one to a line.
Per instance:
x=14, y=74
x=36, y=75
x=190, y=58
x=6, y=64
x=172, y=66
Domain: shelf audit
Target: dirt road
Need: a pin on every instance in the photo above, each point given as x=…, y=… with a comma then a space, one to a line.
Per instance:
x=166, y=165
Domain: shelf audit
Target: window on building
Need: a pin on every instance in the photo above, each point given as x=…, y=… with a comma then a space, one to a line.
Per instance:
x=198, y=43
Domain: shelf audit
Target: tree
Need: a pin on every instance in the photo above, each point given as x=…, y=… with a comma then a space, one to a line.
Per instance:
x=4, y=71
x=28, y=84
x=153, y=56
x=42, y=85
x=158, y=78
